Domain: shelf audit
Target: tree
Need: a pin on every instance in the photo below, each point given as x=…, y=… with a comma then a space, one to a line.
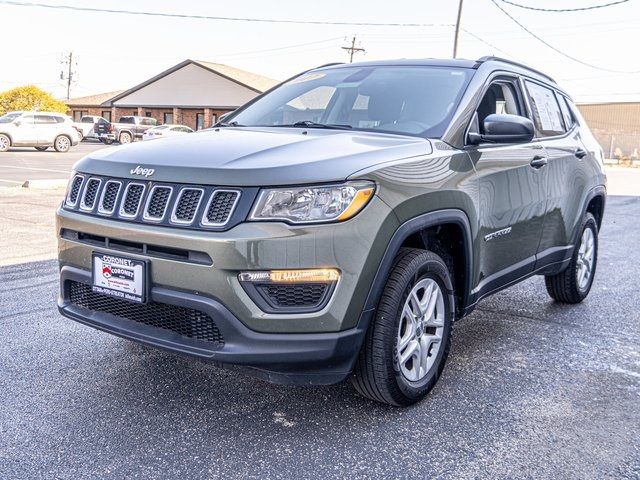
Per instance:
x=30, y=97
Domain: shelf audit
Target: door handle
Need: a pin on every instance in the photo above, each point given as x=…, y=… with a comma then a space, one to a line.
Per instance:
x=538, y=161
x=580, y=153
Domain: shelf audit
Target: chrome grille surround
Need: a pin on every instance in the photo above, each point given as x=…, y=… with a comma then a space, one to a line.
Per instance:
x=162, y=203
x=108, y=195
x=126, y=199
x=90, y=193
x=207, y=211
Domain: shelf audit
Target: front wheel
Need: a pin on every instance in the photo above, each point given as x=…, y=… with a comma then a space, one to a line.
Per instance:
x=5, y=143
x=406, y=346
x=62, y=144
x=573, y=284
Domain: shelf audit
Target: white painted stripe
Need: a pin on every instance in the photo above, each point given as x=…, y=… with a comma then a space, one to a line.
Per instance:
x=21, y=167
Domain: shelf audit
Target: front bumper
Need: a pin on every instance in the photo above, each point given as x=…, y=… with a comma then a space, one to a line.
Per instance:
x=319, y=359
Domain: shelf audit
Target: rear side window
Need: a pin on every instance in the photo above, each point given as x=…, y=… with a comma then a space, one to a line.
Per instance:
x=569, y=121
x=40, y=119
x=127, y=120
x=545, y=109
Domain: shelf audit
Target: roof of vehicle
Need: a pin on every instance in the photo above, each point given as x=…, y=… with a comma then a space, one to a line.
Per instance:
x=171, y=125
x=450, y=62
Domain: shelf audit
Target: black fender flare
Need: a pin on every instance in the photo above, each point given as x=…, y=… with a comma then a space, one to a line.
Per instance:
x=416, y=224
x=597, y=191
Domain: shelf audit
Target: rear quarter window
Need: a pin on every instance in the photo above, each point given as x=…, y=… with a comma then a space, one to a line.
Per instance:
x=547, y=116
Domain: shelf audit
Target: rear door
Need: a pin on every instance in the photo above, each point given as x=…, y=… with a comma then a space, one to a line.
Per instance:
x=557, y=131
x=46, y=129
x=512, y=185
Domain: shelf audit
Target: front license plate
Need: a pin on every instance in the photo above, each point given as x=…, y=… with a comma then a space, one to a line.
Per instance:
x=119, y=277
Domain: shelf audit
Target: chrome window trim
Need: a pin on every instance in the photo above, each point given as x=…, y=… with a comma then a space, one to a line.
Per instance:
x=83, y=206
x=121, y=211
x=80, y=190
x=177, y=202
x=115, y=203
x=149, y=218
x=205, y=223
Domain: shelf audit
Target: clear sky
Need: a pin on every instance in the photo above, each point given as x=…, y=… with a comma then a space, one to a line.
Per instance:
x=117, y=51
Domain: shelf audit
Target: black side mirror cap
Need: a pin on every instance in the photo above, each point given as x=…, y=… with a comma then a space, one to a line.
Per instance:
x=504, y=128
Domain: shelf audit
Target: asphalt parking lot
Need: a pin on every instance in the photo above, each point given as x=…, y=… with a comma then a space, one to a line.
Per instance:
x=21, y=164
x=532, y=389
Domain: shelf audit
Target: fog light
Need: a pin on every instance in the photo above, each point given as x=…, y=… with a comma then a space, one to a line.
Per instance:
x=313, y=275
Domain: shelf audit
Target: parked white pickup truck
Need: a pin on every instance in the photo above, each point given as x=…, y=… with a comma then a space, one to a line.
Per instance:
x=87, y=125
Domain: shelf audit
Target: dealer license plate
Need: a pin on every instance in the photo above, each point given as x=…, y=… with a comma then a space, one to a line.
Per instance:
x=119, y=277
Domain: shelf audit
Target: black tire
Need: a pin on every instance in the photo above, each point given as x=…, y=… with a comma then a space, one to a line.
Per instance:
x=5, y=142
x=107, y=141
x=125, y=137
x=41, y=149
x=62, y=144
x=377, y=375
x=564, y=286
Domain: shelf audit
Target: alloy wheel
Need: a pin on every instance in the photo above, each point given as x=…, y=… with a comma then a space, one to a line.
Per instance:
x=420, y=330
x=586, y=256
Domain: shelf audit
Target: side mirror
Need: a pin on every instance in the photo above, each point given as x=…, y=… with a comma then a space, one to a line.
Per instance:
x=503, y=128
x=17, y=123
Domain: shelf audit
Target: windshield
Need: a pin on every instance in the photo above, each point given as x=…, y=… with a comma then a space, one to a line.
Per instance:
x=9, y=117
x=413, y=100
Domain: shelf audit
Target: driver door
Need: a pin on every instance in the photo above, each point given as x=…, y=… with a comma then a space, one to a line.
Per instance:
x=23, y=131
x=512, y=190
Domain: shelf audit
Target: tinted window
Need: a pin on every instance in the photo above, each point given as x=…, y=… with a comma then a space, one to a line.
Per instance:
x=501, y=97
x=569, y=121
x=396, y=99
x=130, y=120
x=546, y=112
x=9, y=117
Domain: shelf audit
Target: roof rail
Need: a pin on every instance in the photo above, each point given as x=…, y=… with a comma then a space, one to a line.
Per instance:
x=487, y=58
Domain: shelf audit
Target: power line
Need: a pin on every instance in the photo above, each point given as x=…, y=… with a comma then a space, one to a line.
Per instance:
x=577, y=60
x=209, y=17
x=563, y=10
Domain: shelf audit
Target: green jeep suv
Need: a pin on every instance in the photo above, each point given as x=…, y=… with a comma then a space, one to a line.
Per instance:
x=336, y=226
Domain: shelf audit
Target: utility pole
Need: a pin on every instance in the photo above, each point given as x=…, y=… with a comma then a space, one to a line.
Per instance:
x=455, y=40
x=70, y=74
x=352, y=49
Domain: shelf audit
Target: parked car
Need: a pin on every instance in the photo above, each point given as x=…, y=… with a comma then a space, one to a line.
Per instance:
x=127, y=130
x=87, y=125
x=337, y=226
x=167, y=130
x=38, y=129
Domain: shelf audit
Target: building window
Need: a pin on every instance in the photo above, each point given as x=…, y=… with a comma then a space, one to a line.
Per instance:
x=199, y=121
x=168, y=118
x=214, y=119
x=106, y=114
x=147, y=114
x=78, y=114
x=135, y=112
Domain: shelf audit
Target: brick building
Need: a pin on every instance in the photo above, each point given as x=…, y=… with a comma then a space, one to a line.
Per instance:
x=192, y=93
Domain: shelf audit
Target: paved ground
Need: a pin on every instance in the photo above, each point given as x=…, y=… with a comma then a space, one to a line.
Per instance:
x=21, y=164
x=532, y=390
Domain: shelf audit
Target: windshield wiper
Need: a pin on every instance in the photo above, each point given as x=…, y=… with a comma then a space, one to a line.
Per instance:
x=310, y=124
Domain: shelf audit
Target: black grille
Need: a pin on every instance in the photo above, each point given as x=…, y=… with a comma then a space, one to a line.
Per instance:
x=132, y=200
x=187, y=205
x=75, y=190
x=110, y=196
x=183, y=321
x=158, y=202
x=307, y=295
x=90, y=193
x=220, y=207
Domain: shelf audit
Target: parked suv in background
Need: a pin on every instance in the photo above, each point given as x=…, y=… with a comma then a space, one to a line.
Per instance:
x=339, y=224
x=127, y=130
x=38, y=129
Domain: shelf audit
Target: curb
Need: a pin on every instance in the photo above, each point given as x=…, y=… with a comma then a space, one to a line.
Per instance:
x=44, y=184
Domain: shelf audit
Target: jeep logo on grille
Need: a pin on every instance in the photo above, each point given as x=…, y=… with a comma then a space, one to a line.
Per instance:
x=144, y=172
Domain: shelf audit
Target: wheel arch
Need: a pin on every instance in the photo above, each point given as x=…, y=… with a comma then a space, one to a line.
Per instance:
x=418, y=232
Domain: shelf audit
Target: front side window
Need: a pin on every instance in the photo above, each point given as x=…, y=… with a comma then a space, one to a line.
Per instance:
x=502, y=98
x=9, y=117
x=545, y=110
x=411, y=100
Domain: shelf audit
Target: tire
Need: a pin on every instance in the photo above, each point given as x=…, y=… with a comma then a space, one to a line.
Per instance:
x=5, y=142
x=62, y=144
x=570, y=286
x=107, y=141
x=379, y=374
x=125, y=137
x=41, y=149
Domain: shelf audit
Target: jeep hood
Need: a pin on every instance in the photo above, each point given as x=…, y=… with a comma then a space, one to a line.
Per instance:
x=255, y=156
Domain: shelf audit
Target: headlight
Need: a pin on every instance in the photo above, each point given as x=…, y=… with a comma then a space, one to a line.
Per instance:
x=324, y=203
